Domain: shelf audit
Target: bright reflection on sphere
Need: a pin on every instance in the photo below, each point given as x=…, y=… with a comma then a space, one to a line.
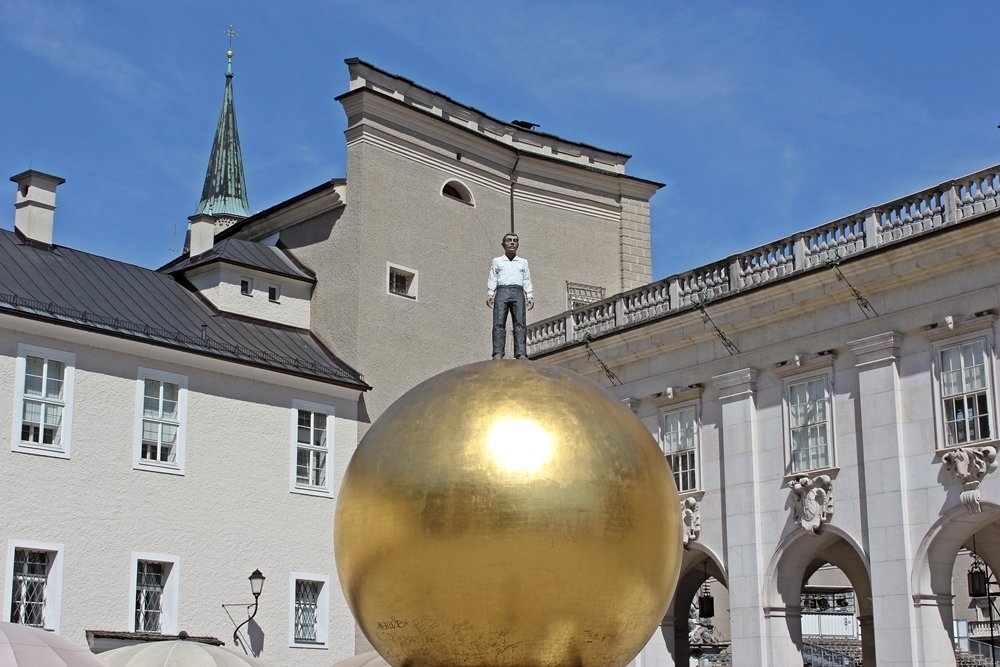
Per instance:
x=519, y=445
x=508, y=514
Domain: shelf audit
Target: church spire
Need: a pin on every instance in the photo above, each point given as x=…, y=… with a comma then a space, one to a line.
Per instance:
x=224, y=196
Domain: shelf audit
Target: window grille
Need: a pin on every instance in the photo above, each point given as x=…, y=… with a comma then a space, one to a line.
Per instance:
x=160, y=421
x=679, y=440
x=28, y=587
x=808, y=415
x=311, y=449
x=578, y=294
x=41, y=419
x=397, y=283
x=306, y=606
x=149, y=596
x=965, y=393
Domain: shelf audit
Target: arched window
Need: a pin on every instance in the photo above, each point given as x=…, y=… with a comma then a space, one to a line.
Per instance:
x=456, y=190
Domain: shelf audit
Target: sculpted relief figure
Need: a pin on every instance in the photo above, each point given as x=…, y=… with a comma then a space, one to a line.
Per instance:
x=812, y=502
x=508, y=290
x=969, y=465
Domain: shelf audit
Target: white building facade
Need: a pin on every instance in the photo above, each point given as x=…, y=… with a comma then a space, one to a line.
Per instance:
x=827, y=399
x=155, y=451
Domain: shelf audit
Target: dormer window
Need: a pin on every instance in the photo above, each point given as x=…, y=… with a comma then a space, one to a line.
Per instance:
x=246, y=286
x=455, y=190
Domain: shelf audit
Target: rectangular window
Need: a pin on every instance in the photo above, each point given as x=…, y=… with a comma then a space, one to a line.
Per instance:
x=965, y=396
x=34, y=594
x=30, y=577
x=312, y=450
x=273, y=293
x=306, y=603
x=43, y=401
x=679, y=441
x=161, y=400
x=310, y=605
x=809, y=424
x=155, y=588
x=579, y=295
x=246, y=286
x=149, y=596
x=401, y=281
x=311, y=447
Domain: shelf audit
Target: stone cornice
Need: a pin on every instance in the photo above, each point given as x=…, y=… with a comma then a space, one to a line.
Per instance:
x=957, y=325
x=406, y=92
x=736, y=384
x=880, y=348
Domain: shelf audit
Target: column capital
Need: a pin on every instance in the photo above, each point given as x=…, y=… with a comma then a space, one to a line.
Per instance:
x=736, y=384
x=877, y=349
x=782, y=612
x=932, y=600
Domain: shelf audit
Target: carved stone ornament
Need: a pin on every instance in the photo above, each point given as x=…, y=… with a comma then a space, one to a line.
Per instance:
x=690, y=520
x=812, y=502
x=969, y=465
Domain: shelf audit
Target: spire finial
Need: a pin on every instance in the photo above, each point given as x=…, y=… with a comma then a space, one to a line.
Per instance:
x=230, y=32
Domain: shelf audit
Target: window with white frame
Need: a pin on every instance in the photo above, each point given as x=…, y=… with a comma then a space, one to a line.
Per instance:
x=246, y=286
x=965, y=392
x=43, y=401
x=401, y=281
x=162, y=412
x=309, y=613
x=34, y=594
x=455, y=190
x=154, y=593
x=809, y=418
x=311, y=442
x=274, y=293
x=679, y=441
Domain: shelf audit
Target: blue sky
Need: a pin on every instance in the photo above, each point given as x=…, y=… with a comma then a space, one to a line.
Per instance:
x=762, y=118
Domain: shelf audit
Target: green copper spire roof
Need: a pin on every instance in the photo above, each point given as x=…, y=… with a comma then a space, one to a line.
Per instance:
x=225, y=191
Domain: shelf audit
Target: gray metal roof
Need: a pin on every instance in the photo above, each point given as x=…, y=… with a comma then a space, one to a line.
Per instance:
x=269, y=259
x=85, y=291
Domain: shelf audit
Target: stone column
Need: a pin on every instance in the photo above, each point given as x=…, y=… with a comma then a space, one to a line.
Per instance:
x=890, y=545
x=935, y=614
x=742, y=507
x=867, y=639
x=784, y=634
x=675, y=635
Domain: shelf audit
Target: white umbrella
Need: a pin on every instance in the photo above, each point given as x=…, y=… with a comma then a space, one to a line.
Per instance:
x=370, y=659
x=177, y=653
x=23, y=646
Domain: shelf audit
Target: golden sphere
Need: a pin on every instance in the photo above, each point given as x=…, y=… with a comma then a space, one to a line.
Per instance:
x=508, y=513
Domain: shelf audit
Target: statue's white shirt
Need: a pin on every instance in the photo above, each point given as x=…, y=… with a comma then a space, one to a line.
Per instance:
x=505, y=271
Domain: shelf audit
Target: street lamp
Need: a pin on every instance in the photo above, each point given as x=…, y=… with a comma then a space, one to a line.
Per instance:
x=706, y=603
x=256, y=586
x=979, y=586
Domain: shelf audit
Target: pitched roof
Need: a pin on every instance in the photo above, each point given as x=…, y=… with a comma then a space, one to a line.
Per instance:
x=84, y=291
x=225, y=191
x=250, y=254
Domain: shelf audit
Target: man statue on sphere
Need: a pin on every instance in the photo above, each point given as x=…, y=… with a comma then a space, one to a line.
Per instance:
x=508, y=289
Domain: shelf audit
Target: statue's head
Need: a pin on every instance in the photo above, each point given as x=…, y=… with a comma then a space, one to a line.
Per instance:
x=510, y=243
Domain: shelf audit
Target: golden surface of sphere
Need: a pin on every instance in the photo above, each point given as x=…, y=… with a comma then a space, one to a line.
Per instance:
x=507, y=513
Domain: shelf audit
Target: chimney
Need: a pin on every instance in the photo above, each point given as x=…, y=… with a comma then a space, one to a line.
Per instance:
x=202, y=234
x=35, y=205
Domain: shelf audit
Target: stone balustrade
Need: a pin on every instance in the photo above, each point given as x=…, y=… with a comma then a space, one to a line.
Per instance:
x=950, y=203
